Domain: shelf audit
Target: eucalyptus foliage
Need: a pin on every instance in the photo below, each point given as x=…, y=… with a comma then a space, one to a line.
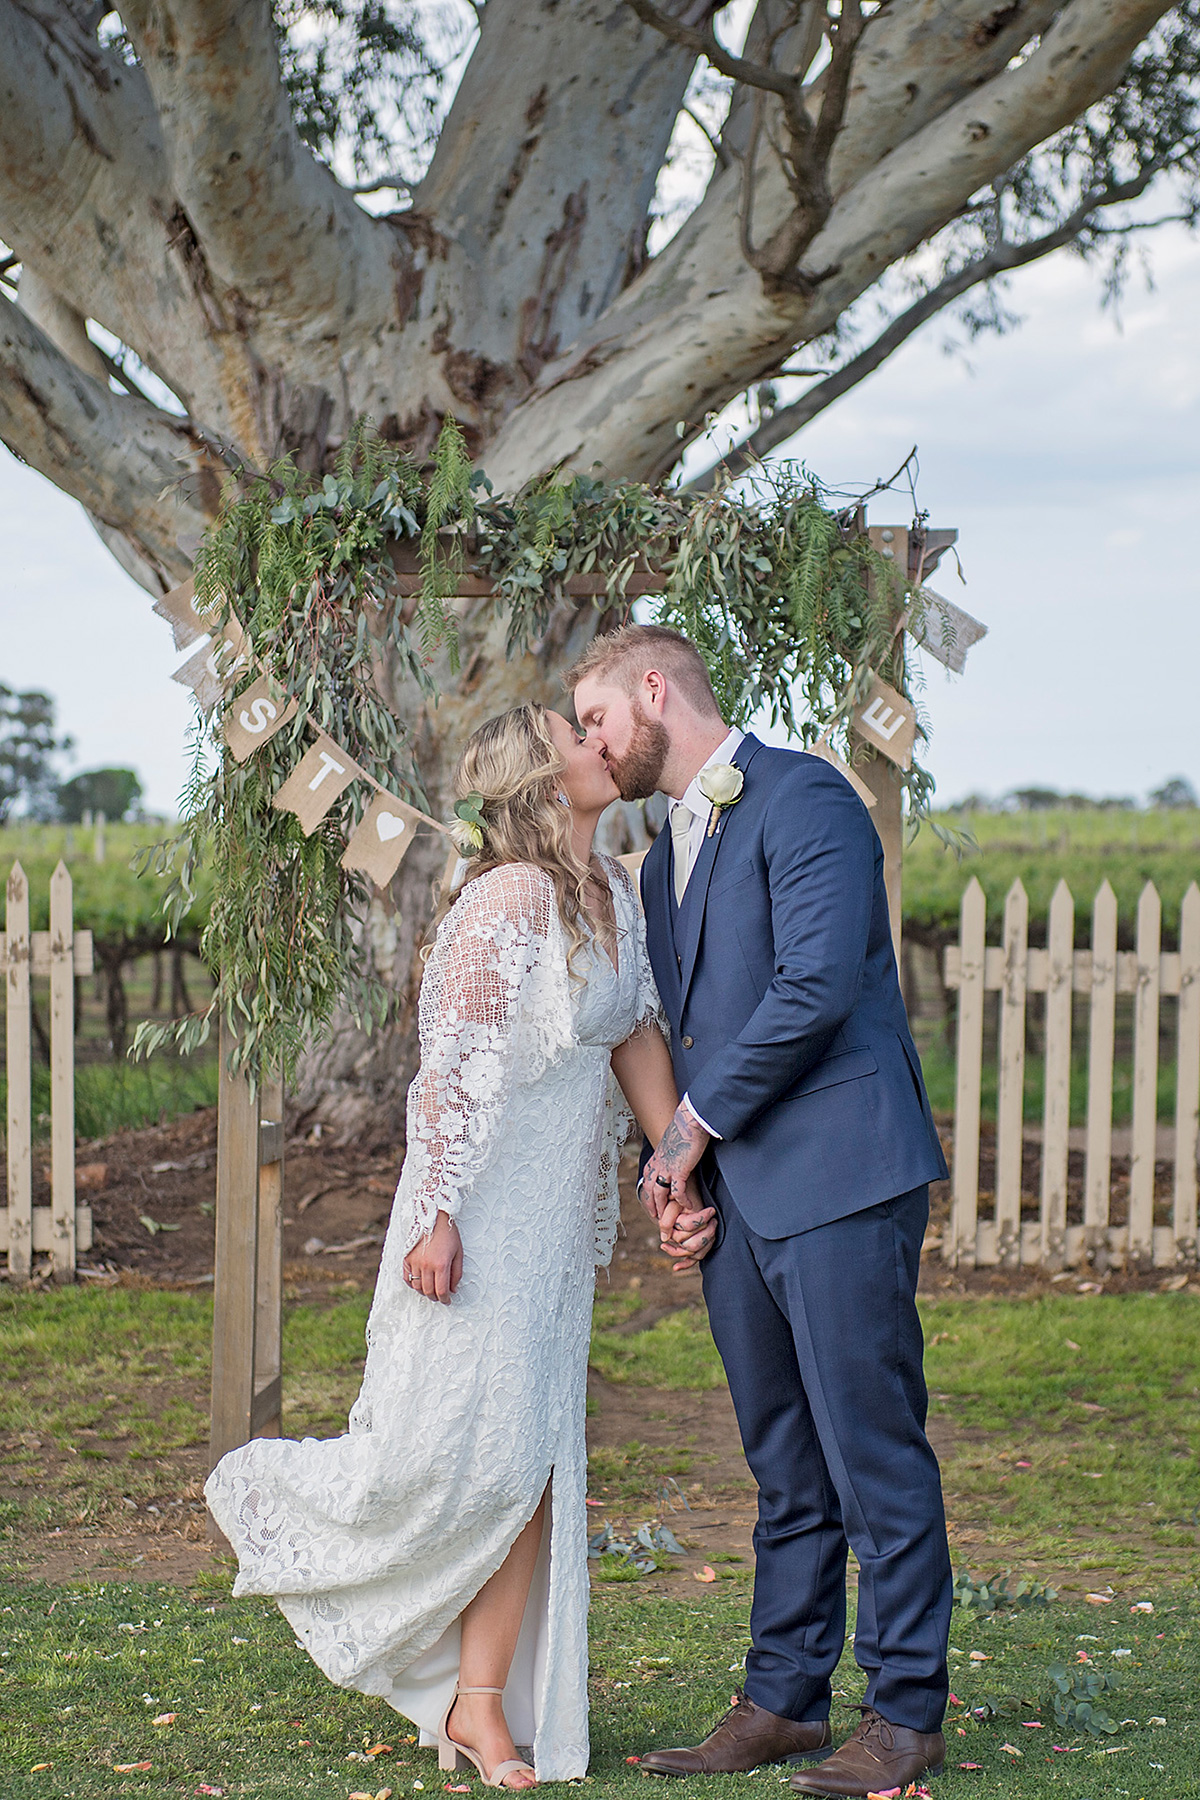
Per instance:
x=789, y=603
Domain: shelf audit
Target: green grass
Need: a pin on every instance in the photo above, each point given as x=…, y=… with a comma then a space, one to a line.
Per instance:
x=1084, y=849
x=105, y=1387
x=939, y=1069
x=113, y=1382
x=124, y=1096
x=87, y=1670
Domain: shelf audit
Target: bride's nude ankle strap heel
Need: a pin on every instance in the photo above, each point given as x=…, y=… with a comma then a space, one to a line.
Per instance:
x=453, y=1756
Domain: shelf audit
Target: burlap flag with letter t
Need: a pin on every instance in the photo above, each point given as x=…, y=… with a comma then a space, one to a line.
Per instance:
x=314, y=784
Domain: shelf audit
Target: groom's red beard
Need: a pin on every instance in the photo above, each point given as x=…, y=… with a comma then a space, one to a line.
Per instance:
x=639, y=772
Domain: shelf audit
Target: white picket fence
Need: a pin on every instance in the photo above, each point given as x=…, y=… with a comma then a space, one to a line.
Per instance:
x=1014, y=970
x=62, y=1228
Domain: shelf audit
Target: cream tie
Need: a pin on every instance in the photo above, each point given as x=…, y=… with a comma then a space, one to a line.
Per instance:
x=681, y=832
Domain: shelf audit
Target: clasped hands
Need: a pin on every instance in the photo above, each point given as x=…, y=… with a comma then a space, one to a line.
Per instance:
x=670, y=1193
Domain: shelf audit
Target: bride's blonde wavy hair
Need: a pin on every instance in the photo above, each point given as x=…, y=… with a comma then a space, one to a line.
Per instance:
x=514, y=766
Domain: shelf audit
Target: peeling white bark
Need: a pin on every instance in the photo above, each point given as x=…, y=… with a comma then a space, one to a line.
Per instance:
x=114, y=454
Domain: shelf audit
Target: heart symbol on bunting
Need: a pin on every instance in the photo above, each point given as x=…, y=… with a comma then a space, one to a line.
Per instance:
x=384, y=833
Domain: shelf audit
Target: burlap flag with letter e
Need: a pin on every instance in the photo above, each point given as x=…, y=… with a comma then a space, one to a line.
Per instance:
x=889, y=721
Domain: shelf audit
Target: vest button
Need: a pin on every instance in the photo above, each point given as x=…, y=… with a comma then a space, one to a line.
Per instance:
x=687, y=1042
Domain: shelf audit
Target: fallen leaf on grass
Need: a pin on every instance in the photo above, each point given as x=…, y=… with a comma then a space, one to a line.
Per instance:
x=131, y=1768
x=704, y=1574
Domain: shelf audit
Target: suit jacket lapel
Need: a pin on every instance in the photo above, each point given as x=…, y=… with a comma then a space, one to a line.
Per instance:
x=696, y=893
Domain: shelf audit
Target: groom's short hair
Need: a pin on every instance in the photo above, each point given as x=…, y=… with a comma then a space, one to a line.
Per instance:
x=624, y=656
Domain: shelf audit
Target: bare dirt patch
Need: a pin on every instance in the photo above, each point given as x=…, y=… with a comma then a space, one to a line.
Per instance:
x=152, y=1195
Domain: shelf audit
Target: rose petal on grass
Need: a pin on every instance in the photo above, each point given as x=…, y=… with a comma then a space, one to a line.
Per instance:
x=1098, y=1599
x=131, y=1768
x=38, y=1767
x=461, y=1787
x=1024, y=1465
x=885, y=1794
x=980, y=1656
x=704, y=1574
x=633, y=1759
x=1012, y=1749
x=205, y=1789
x=970, y=1765
x=954, y=1699
x=164, y=1719
x=1142, y=1606
x=1033, y=1724
x=1066, y=1749
x=380, y=1750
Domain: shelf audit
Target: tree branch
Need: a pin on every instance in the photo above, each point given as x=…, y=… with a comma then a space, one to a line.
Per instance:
x=142, y=474
x=1003, y=259
x=86, y=204
x=656, y=346
x=543, y=180
x=271, y=222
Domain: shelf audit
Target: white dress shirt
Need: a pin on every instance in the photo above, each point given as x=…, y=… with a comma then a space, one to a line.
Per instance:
x=701, y=810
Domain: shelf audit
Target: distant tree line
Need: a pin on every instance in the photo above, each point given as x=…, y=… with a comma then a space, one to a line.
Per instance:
x=29, y=782
x=1176, y=794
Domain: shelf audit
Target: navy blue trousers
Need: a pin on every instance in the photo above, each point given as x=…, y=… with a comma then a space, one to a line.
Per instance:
x=822, y=1345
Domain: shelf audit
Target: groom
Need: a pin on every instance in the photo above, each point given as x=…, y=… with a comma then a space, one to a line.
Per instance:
x=805, y=1115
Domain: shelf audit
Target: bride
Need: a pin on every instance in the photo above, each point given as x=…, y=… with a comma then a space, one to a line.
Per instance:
x=436, y=1555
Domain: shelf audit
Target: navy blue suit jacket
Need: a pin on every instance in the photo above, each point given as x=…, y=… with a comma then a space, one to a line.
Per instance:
x=788, y=1029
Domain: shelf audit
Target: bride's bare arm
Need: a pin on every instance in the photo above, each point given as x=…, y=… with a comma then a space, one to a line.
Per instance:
x=642, y=1066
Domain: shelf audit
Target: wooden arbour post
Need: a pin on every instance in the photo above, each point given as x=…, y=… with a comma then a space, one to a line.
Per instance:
x=248, y=1266
x=917, y=553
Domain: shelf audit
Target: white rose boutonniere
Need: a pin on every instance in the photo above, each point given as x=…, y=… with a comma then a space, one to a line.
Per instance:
x=722, y=783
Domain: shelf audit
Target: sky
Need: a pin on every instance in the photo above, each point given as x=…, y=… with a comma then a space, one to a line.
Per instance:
x=1067, y=455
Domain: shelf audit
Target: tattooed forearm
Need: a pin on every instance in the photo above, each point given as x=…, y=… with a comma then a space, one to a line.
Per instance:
x=683, y=1144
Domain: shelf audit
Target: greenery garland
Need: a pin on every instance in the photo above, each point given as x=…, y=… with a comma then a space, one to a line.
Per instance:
x=784, y=595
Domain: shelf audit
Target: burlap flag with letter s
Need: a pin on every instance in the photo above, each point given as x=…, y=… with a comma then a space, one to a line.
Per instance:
x=254, y=717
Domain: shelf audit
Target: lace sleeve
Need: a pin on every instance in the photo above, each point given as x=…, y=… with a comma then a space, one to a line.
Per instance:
x=618, y=1119
x=632, y=921
x=494, y=1011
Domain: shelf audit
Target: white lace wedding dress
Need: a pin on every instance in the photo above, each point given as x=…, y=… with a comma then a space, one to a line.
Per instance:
x=373, y=1543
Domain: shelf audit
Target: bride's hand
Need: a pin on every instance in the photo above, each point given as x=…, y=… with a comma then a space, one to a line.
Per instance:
x=434, y=1265
x=688, y=1231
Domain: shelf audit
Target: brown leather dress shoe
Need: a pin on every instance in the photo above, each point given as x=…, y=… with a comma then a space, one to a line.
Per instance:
x=876, y=1757
x=744, y=1738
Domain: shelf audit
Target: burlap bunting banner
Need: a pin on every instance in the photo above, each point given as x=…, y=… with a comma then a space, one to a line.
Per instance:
x=315, y=783
x=945, y=630
x=382, y=838
x=254, y=717
x=888, y=721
